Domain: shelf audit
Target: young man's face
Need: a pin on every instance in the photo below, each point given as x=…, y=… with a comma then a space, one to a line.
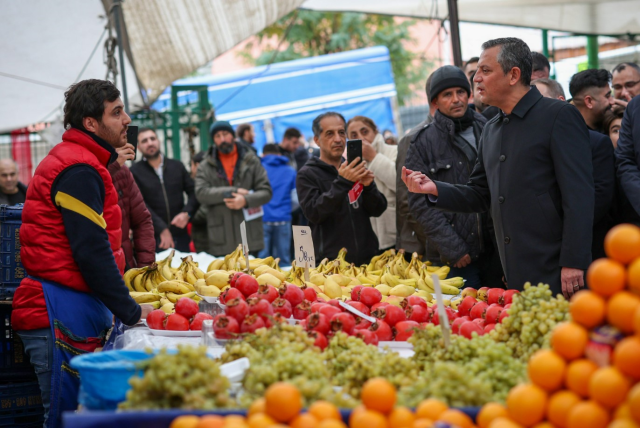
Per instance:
x=626, y=83
x=148, y=144
x=332, y=139
x=114, y=123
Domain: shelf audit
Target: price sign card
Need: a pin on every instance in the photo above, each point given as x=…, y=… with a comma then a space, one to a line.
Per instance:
x=303, y=243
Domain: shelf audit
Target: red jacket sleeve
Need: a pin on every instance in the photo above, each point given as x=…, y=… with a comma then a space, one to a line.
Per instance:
x=144, y=242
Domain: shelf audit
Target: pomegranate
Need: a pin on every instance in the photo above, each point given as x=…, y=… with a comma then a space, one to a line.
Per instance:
x=413, y=301
x=478, y=310
x=482, y=293
x=225, y=327
x=251, y=324
x=318, y=322
x=176, y=322
x=469, y=327
x=302, y=310
x=379, y=305
x=492, y=314
x=274, y=319
x=480, y=322
x=283, y=307
x=370, y=296
x=336, y=304
x=355, y=293
x=469, y=291
x=488, y=328
x=362, y=323
x=234, y=277
x=268, y=292
x=382, y=330
x=417, y=313
x=247, y=285
x=230, y=294
x=367, y=336
x=451, y=315
x=390, y=314
x=359, y=306
x=310, y=294
x=237, y=308
x=315, y=307
x=465, y=306
x=494, y=295
x=155, y=319
x=260, y=306
x=507, y=297
x=292, y=294
x=404, y=329
x=455, y=325
x=329, y=311
x=503, y=315
x=343, y=322
x=320, y=339
x=186, y=307
x=196, y=324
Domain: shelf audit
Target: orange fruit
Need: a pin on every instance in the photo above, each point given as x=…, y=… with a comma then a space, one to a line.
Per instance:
x=622, y=243
x=621, y=308
x=578, y=375
x=544, y=425
x=626, y=357
x=185, y=421
x=260, y=420
x=258, y=406
x=608, y=387
x=401, y=417
x=210, y=421
x=430, y=409
x=489, y=412
x=633, y=275
x=587, y=308
x=622, y=412
x=235, y=421
x=588, y=414
x=633, y=400
x=526, y=404
x=546, y=369
x=369, y=419
x=331, y=423
x=324, y=410
x=283, y=401
x=560, y=404
x=304, y=420
x=636, y=322
x=378, y=394
x=423, y=423
x=569, y=340
x=456, y=417
x=504, y=422
x=623, y=423
x=355, y=411
x=606, y=277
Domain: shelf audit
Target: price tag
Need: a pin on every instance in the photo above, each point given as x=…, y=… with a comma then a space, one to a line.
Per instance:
x=444, y=319
x=303, y=242
x=245, y=245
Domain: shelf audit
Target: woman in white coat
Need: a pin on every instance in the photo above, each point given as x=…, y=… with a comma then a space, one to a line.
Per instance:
x=380, y=158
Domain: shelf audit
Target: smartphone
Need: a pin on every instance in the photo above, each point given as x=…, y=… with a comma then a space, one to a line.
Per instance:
x=228, y=194
x=132, y=138
x=354, y=150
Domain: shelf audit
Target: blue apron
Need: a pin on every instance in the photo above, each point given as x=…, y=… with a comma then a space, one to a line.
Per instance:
x=79, y=323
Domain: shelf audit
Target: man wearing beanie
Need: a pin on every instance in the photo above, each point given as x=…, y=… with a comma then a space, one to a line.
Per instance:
x=446, y=150
x=534, y=174
x=233, y=186
x=163, y=184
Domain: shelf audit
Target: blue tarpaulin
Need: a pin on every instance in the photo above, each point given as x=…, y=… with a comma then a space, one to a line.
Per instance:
x=293, y=93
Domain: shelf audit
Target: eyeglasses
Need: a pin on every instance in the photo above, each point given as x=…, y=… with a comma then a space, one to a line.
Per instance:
x=628, y=85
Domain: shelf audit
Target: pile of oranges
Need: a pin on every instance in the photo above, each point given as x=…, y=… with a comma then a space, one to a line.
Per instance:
x=281, y=407
x=591, y=376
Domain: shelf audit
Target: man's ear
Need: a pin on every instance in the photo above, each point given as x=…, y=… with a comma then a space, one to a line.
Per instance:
x=90, y=124
x=514, y=76
x=588, y=101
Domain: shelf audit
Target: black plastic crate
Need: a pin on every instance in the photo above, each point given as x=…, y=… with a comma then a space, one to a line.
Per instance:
x=14, y=363
x=11, y=269
x=21, y=405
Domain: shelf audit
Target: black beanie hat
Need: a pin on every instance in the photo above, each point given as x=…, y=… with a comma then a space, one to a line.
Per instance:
x=447, y=77
x=221, y=125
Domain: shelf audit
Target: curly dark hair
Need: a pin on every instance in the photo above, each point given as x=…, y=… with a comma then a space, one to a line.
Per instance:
x=86, y=99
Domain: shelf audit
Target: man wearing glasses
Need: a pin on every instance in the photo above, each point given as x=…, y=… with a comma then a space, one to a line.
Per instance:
x=626, y=82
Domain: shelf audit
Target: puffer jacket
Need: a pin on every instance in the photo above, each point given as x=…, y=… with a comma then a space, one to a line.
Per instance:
x=223, y=224
x=383, y=167
x=135, y=216
x=442, y=155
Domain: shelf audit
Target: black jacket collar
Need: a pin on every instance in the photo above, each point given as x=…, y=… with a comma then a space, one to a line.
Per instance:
x=526, y=102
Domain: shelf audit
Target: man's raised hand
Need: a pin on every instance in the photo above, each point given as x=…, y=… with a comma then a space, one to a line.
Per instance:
x=417, y=182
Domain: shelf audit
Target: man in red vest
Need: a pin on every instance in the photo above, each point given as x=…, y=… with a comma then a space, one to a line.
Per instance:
x=71, y=246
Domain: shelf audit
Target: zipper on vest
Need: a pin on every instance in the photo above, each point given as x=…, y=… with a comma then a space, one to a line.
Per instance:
x=166, y=203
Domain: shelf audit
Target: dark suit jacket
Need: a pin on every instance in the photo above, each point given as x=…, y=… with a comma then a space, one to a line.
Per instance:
x=534, y=173
x=604, y=180
x=628, y=155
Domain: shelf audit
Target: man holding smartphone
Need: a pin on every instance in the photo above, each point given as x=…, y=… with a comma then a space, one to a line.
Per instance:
x=339, y=197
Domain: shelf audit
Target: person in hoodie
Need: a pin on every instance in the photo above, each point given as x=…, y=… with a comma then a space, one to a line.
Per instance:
x=339, y=198
x=277, y=213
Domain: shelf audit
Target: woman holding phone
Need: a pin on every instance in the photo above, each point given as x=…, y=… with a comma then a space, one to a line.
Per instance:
x=380, y=158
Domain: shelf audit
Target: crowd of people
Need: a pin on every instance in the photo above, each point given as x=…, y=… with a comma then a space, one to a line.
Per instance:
x=506, y=181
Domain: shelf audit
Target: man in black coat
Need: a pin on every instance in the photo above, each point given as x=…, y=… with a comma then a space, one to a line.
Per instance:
x=534, y=173
x=163, y=183
x=339, y=198
x=628, y=153
x=447, y=150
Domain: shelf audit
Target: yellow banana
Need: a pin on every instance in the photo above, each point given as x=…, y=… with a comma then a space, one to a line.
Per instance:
x=175, y=286
x=164, y=301
x=267, y=278
x=144, y=297
x=317, y=279
x=446, y=302
x=324, y=296
x=148, y=282
x=383, y=289
x=168, y=308
x=209, y=291
x=268, y=269
x=129, y=276
x=138, y=283
x=173, y=297
x=456, y=281
x=402, y=290
x=165, y=270
x=332, y=288
x=215, y=265
x=190, y=277
x=219, y=278
x=455, y=303
x=449, y=289
x=253, y=264
x=425, y=295
x=364, y=279
x=200, y=283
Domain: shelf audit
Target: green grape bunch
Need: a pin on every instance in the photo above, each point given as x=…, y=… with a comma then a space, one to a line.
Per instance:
x=188, y=379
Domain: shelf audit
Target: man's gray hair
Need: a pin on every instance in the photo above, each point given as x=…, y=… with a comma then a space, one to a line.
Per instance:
x=555, y=88
x=514, y=53
x=317, y=129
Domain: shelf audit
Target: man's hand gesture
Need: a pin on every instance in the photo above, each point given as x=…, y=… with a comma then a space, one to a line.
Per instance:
x=417, y=182
x=354, y=171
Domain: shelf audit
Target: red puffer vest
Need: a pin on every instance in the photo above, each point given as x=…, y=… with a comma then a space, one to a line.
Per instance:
x=45, y=251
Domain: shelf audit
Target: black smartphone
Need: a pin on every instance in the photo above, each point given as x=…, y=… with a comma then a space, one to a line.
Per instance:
x=228, y=194
x=132, y=138
x=354, y=150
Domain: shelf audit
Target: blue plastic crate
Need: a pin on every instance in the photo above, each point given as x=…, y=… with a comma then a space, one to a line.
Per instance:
x=11, y=269
x=14, y=363
x=20, y=404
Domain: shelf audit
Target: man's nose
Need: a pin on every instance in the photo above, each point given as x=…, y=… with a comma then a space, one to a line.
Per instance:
x=127, y=118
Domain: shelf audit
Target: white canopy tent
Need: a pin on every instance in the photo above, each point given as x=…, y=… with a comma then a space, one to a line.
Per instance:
x=46, y=45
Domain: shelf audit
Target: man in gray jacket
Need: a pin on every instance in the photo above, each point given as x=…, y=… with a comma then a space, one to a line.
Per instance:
x=446, y=150
x=230, y=179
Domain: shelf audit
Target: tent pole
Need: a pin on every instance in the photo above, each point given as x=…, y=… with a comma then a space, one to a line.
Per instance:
x=592, y=51
x=545, y=43
x=454, y=23
x=116, y=10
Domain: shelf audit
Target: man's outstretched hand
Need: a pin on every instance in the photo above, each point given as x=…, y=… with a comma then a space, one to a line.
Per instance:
x=417, y=182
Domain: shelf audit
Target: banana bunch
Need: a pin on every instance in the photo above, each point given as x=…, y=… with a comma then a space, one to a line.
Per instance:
x=164, y=266
x=189, y=271
x=175, y=286
x=144, y=279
